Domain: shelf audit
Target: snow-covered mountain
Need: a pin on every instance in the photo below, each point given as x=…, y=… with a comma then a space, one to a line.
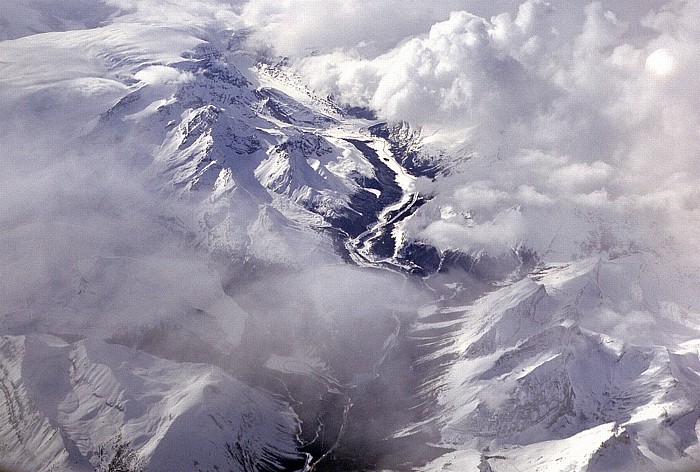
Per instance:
x=217, y=268
x=537, y=374
x=63, y=401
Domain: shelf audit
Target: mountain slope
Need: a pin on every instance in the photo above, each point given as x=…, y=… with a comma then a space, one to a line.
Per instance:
x=527, y=374
x=63, y=401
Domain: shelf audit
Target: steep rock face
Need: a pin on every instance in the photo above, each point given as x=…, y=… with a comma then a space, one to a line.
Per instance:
x=63, y=401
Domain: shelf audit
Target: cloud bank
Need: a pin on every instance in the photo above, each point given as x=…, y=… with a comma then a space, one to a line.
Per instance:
x=591, y=107
x=582, y=122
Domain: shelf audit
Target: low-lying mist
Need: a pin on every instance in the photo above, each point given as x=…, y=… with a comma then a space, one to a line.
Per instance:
x=92, y=248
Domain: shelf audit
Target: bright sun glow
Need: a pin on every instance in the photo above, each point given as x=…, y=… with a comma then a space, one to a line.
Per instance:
x=660, y=62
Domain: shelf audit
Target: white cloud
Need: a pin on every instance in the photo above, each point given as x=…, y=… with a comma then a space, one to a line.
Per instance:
x=660, y=62
x=495, y=237
x=298, y=27
x=580, y=177
x=217, y=14
x=480, y=194
x=162, y=75
x=584, y=106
